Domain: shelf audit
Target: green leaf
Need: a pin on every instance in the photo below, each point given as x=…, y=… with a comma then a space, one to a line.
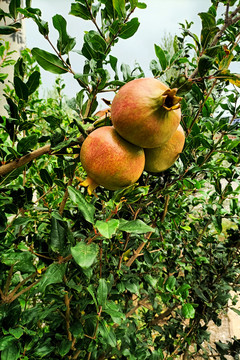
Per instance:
x=6, y=341
x=209, y=28
x=205, y=63
x=186, y=227
x=107, y=228
x=20, y=88
x=12, y=352
x=33, y=82
x=141, y=5
x=86, y=208
x=129, y=29
x=57, y=235
x=135, y=226
x=16, y=332
x=114, y=311
x=46, y=178
x=27, y=143
x=14, y=4
x=170, y=283
x=102, y=292
x=119, y=6
x=80, y=10
x=161, y=56
x=85, y=254
x=107, y=333
x=235, y=310
x=64, y=347
x=65, y=43
x=7, y=30
x=53, y=275
x=49, y=62
x=188, y=311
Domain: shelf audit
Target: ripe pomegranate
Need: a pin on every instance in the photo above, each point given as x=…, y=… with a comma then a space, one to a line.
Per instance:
x=109, y=160
x=161, y=158
x=146, y=112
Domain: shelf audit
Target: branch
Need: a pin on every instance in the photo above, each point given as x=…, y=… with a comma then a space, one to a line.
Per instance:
x=229, y=20
x=7, y=168
x=163, y=315
x=17, y=163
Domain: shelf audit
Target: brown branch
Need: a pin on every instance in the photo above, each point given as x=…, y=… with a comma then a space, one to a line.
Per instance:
x=165, y=207
x=8, y=282
x=65, y=197
x=163, y=315
x=7, y=168
x=17, y=163
x=67, y=315
x=138, y=251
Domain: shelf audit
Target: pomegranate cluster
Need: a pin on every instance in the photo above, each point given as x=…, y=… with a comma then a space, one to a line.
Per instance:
x=145, y=135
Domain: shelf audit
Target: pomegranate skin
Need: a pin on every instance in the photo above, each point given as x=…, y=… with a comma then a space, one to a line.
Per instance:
x=163, y=157
x=146, y=112
x=111, y=161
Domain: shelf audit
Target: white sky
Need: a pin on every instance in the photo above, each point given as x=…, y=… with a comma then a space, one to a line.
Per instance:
x=161, y=16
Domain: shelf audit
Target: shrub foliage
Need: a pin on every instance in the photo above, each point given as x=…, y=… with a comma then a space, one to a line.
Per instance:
x=130, y=274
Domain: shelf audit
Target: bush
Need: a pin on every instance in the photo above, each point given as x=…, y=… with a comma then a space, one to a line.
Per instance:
x=131, y=274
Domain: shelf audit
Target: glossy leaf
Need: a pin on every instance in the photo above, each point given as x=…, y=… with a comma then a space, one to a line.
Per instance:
x=188, y=311
x=49, y=62
x=107, y=228
x=45, y=176
x=27, y=143
x=20, y=88
x=170, y=283
x=7, y=30
x=85, y=254
x=102, y=292
x=13, y=6
x=119, y=6
x=135, y=226
x=33, y=82
x=65, y=43
x=161, y=56
x=129, y=29
x=79, y=10
x=53, y=275
x=57, y=235
x=86, y=208
x=12, y=352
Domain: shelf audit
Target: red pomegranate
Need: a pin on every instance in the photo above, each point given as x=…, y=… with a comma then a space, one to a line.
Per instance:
x=163, y=157
x=146, y=112
x=109, y=160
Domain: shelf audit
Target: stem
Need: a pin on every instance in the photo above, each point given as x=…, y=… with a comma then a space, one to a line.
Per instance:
x=70, y=70
x=94, y=20
x=65, y=197
x=7, y=168
x=229, y=20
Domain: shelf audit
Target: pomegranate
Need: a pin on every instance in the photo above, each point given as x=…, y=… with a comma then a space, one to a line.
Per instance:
x=146, y=112
x=109, y=160
x=161, y=158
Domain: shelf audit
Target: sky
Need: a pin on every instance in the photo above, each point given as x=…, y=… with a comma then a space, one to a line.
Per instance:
x=160, y=17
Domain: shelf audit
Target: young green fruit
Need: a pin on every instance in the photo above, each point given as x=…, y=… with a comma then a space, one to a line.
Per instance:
x=163, y=157
x=146, y=112
x=109, y=160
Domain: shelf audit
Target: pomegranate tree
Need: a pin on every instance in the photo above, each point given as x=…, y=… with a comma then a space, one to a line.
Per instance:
x=146, y=112
x=163, y=157
x=109, y=160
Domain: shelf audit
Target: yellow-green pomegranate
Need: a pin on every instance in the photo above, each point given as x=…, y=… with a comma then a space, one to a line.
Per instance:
x=146, y=112
x=163, y=157
x=109, y=160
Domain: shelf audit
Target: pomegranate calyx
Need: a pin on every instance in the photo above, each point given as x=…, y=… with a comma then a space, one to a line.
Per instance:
x=172, y=102
x=90, y=184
